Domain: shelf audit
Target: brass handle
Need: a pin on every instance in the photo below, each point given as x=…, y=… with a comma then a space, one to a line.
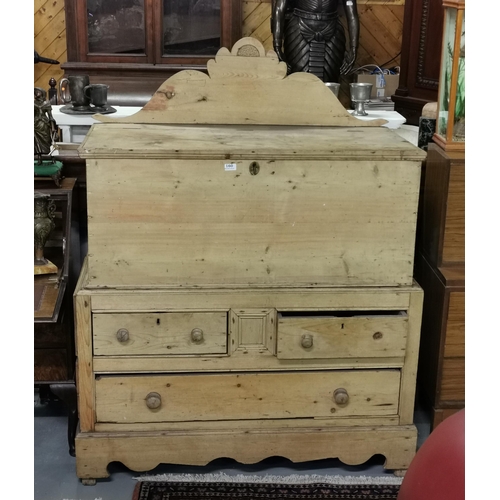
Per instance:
x=153, y=400
x=341, y=397
x=197, y=335
x=306, y=341
x=122, y=335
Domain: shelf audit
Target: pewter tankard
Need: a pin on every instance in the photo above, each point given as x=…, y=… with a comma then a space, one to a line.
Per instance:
x=76, y=85
x=97, y=93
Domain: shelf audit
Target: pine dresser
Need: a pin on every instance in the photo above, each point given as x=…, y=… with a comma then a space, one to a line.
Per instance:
x=248, y=289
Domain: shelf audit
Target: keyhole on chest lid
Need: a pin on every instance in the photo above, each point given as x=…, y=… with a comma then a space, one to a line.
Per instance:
x=254, y=168
x=157, y=321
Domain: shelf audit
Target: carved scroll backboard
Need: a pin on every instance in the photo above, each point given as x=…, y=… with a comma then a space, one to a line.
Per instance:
x=244, y=86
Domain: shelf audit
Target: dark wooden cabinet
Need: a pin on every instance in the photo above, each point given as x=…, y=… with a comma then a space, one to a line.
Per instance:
x=440, y=271
x=420, y=58
x=135, y=45
x=54, y=346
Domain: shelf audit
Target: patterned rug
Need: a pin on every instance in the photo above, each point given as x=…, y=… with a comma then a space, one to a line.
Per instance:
x=158, y=490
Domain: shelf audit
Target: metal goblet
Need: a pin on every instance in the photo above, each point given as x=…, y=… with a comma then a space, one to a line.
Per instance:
x=334, y=87
x=360, y=94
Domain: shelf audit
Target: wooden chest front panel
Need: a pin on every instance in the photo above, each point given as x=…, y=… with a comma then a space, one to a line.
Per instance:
x=160, y=333
x=357, y=335
x=172, y=222
x=123, y=399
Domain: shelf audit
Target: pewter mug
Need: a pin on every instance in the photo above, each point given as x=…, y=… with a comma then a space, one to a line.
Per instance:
x=97, y=93
x=76, y=85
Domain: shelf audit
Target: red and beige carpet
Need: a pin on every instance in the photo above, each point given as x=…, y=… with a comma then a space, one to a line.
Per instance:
x=223, y=487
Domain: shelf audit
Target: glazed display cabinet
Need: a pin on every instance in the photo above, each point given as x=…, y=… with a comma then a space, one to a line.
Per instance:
x=135, y=45
x=450, y=125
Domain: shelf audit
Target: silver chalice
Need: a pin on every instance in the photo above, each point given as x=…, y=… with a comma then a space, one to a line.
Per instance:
x=334, y=87
x=360, y=94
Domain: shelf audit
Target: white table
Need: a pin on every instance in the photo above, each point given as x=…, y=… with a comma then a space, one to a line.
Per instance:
x=75, y=127
x=394, y=119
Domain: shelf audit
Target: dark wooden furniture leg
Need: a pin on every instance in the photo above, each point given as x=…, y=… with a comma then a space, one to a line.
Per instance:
x=67, y=394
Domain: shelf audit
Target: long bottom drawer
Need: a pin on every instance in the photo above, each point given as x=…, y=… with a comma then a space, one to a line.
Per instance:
x=175, y=398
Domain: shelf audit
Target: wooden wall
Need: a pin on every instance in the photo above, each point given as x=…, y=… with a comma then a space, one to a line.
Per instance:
x=50, y=40
x=380, y=32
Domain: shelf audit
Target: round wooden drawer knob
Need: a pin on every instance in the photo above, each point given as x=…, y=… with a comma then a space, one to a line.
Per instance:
x=378, y=335
x=153, y=400
x=197, y=335
x=122, y=335
x=306, y=341
x=341, y=397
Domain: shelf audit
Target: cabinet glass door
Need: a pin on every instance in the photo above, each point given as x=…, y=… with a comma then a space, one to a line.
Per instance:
x=116, y=27
x=191, y=27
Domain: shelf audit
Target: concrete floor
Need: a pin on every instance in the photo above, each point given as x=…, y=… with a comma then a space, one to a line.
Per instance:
x=55, y=477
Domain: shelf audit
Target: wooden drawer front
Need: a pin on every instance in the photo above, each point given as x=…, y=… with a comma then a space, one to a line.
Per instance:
x=160, y=333
x=361, y=335
x=246, y=396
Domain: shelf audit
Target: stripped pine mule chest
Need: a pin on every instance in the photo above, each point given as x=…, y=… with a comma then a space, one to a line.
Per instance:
x=248, y=287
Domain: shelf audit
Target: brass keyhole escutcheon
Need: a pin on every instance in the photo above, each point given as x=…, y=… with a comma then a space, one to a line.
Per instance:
x=122, y=335
x=254, y=168
x=153, y=400
x=341, y=397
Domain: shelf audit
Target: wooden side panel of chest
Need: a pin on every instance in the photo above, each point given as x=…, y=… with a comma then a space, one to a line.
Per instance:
x=441, y=375
x=442, y=238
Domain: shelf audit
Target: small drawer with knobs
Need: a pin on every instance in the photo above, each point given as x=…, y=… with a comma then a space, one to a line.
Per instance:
x=247, y=396
x=342, y=334
x=176, y=333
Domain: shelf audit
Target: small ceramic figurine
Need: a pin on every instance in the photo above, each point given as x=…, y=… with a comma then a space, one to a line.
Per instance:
x=45, y=126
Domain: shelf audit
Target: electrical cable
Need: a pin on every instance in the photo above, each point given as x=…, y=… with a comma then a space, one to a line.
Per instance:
x=390, y=60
